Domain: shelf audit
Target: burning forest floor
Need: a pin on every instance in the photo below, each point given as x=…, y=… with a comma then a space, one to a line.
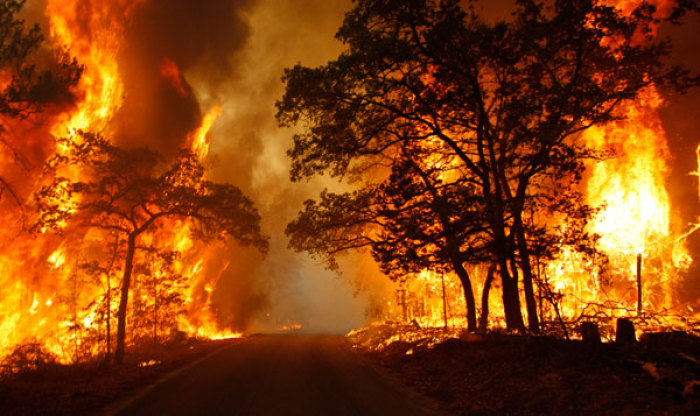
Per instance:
x=499, y=374
x=91, y=387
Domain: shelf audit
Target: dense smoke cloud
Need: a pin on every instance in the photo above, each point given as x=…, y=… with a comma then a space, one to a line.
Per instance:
x=182, y=58
x=170, y=36
x=247, y=145
x=231, y=53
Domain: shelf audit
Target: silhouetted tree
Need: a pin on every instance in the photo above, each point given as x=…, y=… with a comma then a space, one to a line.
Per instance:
x=26, y=89
x=506, y=99
x=413, y=220
x=122, y=191
x=164, y=293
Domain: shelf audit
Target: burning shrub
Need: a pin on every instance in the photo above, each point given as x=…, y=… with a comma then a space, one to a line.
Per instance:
x=29, y=356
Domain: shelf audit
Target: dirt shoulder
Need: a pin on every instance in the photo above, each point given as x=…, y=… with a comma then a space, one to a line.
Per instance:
x=87, y=388
x=514, y=375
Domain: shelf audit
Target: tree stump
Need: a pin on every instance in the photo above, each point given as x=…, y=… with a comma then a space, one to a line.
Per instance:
x=590, y=333
x=625, y=332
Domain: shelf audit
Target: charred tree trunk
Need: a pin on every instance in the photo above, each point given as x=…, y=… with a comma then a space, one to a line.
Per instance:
x=590, y=334
x=525, y=266
x=468, y=294
x=504, y=253
x=108, y=312
x=511, y=299
x=484, y=321
x=511, y=296
x=124, y=299
x=640, y=300
x=109, y=318
x=625, y=333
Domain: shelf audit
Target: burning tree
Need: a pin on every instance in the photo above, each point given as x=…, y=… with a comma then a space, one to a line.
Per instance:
x=24, y=88
x=128, y=193
x=507, y=102
x=413, y=221
x=162, y=288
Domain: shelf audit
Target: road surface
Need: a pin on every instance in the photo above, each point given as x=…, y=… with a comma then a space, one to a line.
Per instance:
x=278, y=375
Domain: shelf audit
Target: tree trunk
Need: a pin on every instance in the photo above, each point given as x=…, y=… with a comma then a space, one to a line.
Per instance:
x=511, y=304
x=640, y=303
x=530, y=301
x=511, y=297
x=484, y=322
x=109, y=318
x=468, y=294
x=124, y=298
x=109, y=301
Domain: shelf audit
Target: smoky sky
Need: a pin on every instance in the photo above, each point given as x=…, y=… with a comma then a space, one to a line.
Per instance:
x=232, y=53
x=202, y=37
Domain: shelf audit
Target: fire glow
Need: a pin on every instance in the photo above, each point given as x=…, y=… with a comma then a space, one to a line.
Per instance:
x=47, y=297
x=642, y=239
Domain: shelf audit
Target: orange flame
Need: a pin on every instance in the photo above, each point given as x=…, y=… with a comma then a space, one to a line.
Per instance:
x=44, y=296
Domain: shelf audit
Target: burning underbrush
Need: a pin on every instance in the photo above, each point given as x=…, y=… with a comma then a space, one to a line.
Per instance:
x=111, y=242
x=500, y=373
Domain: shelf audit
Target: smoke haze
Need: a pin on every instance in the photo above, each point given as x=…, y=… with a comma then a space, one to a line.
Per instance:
x=181, y=58
x=232, y=54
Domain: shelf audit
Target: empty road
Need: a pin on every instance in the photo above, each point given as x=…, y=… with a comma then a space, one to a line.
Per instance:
x=278, y=375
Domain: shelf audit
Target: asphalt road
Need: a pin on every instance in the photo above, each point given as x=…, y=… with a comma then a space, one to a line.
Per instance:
x=278, y=375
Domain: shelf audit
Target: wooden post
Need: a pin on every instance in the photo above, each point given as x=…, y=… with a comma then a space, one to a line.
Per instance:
x=444, y=303
x=625, y=332
x=590, y=334
x=639, y=284
x=402, y=302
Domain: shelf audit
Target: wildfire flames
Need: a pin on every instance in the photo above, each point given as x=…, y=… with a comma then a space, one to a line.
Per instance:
x=46, y=295
x=642, y=239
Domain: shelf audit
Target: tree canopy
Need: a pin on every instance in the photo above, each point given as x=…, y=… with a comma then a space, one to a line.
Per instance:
x=130, y=192
x=502, y=103
x=27, y=87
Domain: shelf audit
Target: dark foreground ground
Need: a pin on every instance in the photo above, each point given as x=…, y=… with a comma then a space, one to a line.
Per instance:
x=86, y=388
x=277, y=375
x=513, y=375
x=322, y=375
x=258, y=375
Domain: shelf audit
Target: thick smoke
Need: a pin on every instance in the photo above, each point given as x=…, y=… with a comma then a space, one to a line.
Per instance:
x=231, y=53
x=180, y=59
x=166, y=36
x=247, y=145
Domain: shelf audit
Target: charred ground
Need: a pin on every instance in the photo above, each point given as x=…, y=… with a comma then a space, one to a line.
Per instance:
x=500, y=374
